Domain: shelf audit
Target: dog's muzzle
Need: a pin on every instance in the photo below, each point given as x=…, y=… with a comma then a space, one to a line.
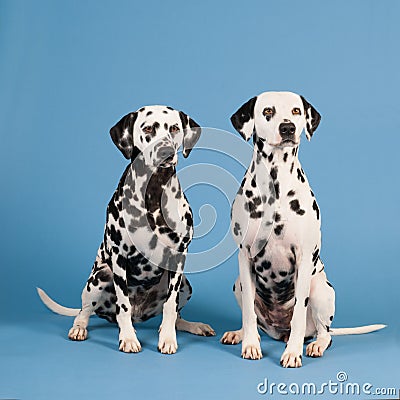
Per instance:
x=167, y=156
x=287, y=130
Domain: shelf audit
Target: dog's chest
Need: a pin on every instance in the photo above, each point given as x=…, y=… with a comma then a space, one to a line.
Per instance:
x=148, y=218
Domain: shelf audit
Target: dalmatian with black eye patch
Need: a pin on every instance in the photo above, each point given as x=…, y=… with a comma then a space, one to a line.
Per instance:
x=282, y=286
x=138, y=271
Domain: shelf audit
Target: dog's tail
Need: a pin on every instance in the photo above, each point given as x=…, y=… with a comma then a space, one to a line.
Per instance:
x=55, y=307
x=356, y=330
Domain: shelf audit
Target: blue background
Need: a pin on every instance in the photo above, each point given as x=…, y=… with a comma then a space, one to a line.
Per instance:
x=70, y=70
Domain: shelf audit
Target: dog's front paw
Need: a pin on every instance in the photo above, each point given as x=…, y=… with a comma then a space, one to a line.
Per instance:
x=130, y=345
x=251, y=351
x=167, y=345
x=291, y=360
x=77, y=333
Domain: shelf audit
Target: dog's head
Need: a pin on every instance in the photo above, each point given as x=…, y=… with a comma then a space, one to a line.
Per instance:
x=277, y=117
x=157, y=132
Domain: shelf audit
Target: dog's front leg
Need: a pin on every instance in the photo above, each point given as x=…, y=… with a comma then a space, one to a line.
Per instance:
x=292, y=356
x=251, y=339
x=167, y=343
x=128, y=342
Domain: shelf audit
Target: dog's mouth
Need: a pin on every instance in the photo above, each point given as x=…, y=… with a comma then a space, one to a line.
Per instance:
x=168, y=162
x=287, y=143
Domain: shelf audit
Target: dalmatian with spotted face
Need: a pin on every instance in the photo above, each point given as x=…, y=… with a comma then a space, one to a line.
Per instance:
x=282, y=286
x=138, y=271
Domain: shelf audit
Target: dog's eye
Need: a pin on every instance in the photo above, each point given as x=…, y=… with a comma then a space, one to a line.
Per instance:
x=296, y=111
x=148, y=129
x=268, y=111
x=174, y=129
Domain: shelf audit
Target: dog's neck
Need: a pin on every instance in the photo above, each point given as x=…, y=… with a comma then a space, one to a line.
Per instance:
x=148, y=183
x=270, y=163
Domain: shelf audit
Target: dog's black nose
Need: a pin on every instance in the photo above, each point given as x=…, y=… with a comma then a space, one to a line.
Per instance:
x=287, y=130
x=166, y=153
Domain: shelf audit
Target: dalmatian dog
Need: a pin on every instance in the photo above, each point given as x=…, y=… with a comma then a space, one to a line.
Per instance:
x=282, y=286
x=138, y=271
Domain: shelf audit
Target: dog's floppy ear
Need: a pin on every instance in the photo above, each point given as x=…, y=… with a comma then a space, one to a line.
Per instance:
x=313, y=118
x=191, y=133
x=243, y=119
x=122, y=134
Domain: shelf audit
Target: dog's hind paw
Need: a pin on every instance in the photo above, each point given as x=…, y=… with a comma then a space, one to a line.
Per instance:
x=232, y=337
x=197, y=328
x=318, y=347
x=77, y=333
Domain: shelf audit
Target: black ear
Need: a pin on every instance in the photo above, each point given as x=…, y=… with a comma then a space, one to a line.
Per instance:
x=313, y=118
x=191, y=133
x=122, y=134
x=243, y=119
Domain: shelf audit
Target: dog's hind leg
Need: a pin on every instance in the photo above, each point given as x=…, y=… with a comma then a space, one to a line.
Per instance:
x=197, y=328
x=322, y=304
x=99, y=279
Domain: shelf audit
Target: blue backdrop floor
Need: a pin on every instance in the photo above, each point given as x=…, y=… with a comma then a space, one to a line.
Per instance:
x=39, y=362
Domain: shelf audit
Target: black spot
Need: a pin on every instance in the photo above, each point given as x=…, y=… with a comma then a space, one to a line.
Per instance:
x=253, y=182
x=306, y=301
x=291, y=193
x=270, y=157
x=276, y=188
x=274, y=173
x=329, y=284
x=300, y=176
x=112, y=209
x=120, y=282
x=149, y=113
x=249, y=193
x=266, y=264
x=295, y=206
x=165, y=126
x=315, y=256
x=315, y=208
x=236, y=229
x=124, y=307
x=260, y=145
x=278, y=229
x=277, y=217
x=291, y=167
x=121, y=223
x=314, y=271
x=273, y=275
x=95, y=302
x=285, y=156
x=271, y=200
x=153, y=242
x=283, y=273
x=331, y=318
